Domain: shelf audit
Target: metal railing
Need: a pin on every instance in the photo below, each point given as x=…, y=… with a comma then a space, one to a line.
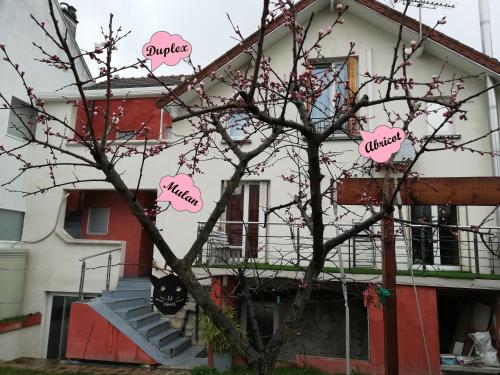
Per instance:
x=84, y=268
x=423, y=247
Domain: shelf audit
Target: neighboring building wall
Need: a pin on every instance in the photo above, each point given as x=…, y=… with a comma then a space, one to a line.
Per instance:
x=18, y=32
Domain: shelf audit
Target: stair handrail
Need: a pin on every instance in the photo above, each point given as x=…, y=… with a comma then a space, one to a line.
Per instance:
x=84, y=267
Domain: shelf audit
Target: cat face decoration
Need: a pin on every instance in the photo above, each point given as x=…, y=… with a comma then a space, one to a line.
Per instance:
x=169, y=294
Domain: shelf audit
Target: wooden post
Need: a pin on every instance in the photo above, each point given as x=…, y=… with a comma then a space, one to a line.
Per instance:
x=390, y=310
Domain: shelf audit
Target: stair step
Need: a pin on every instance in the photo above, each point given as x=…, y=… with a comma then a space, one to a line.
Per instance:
x=133, y=312
x=120, y=303
x=164, y=338
x=134, y=284
x=155, y=328
x=143, y=320
x=177, y=346
x=126, y=293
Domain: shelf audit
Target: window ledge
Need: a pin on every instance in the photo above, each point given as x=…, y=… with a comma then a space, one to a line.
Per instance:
x=119, y=143
x=342, y=137
x=238, y=141
x=442, y=137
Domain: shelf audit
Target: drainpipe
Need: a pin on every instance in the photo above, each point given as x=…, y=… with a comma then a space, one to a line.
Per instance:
x=485, y=24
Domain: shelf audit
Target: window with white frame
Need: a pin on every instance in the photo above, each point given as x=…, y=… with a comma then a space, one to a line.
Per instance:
x=336, y=93
x=235, y=126
x=98, y=221
x=435, y=119
x=22, y=119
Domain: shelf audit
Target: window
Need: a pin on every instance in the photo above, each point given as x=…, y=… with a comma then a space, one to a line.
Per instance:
x=125, y=135
x=98, y=220
x=167, y=133
x=21, y=118
x=435, y=117
x=243, y=214
x=11, y=227
x=435, y=245
x=336, y=92
x=235, y=126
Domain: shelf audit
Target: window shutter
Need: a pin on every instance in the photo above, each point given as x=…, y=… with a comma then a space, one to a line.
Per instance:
x=352, y=66
x=98, y=220
x=263, y=232
x=223, y=187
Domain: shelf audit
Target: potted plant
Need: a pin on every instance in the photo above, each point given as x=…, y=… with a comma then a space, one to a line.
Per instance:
x=218, y=341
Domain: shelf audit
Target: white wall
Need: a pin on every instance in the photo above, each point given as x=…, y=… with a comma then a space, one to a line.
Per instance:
x=20, y=343
x=18, y=31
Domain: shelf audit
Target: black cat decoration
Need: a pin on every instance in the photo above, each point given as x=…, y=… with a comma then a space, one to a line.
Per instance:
x=169, y=294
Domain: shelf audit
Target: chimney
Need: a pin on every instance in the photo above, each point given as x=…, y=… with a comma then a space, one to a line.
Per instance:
x=69, y=13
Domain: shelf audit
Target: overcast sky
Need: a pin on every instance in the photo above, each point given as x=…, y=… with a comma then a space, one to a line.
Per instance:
x=205, y=25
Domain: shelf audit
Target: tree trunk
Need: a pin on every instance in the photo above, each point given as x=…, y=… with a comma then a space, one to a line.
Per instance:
x=264, y=367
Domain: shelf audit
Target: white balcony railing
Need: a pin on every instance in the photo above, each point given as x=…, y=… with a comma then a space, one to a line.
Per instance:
x=421, y=247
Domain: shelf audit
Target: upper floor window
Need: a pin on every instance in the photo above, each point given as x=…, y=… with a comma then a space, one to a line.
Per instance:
x=339, y=80
x=236, y=125
x=98, y=220
x=22, y=119
x=125, y=135
x=434, y=118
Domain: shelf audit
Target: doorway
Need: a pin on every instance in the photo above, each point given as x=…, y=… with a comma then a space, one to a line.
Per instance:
x=242, y=217
x=433, y=239
x=58, y=328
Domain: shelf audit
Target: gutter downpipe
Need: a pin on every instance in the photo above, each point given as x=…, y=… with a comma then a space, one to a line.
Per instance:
x=485, y=25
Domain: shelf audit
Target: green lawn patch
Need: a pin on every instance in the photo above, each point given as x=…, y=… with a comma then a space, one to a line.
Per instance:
x=203, y=370
x=368, y=271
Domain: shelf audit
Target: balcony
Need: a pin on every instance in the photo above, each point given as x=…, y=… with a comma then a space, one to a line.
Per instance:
x=426, y=250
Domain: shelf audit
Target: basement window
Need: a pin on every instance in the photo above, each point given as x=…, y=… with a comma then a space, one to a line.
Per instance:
x=98, y=221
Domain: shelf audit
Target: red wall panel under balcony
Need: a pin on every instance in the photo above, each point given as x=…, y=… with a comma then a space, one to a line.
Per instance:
x=411, y=348
x=135, y=112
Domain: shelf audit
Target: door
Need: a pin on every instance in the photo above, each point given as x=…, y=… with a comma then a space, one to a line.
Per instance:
x=58, y=331
x=433, y=238
x=242, y=218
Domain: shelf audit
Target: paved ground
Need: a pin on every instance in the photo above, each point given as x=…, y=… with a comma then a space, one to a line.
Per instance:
x=67, y=367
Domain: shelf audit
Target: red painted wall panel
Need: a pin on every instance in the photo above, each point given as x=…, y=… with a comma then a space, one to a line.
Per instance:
x=92, y=337
x=123, y=226
x=412, y=359
x=135, y=112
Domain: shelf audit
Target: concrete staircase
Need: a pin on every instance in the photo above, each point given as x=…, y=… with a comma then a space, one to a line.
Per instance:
x=129, y=309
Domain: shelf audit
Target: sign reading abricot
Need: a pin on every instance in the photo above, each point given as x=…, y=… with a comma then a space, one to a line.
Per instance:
x=180, y=191
x=381, y=144
x=165, y=48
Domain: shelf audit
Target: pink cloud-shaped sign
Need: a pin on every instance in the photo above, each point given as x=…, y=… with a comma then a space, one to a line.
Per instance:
x=165, y=48
x=382, y=143
x=181, y=192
